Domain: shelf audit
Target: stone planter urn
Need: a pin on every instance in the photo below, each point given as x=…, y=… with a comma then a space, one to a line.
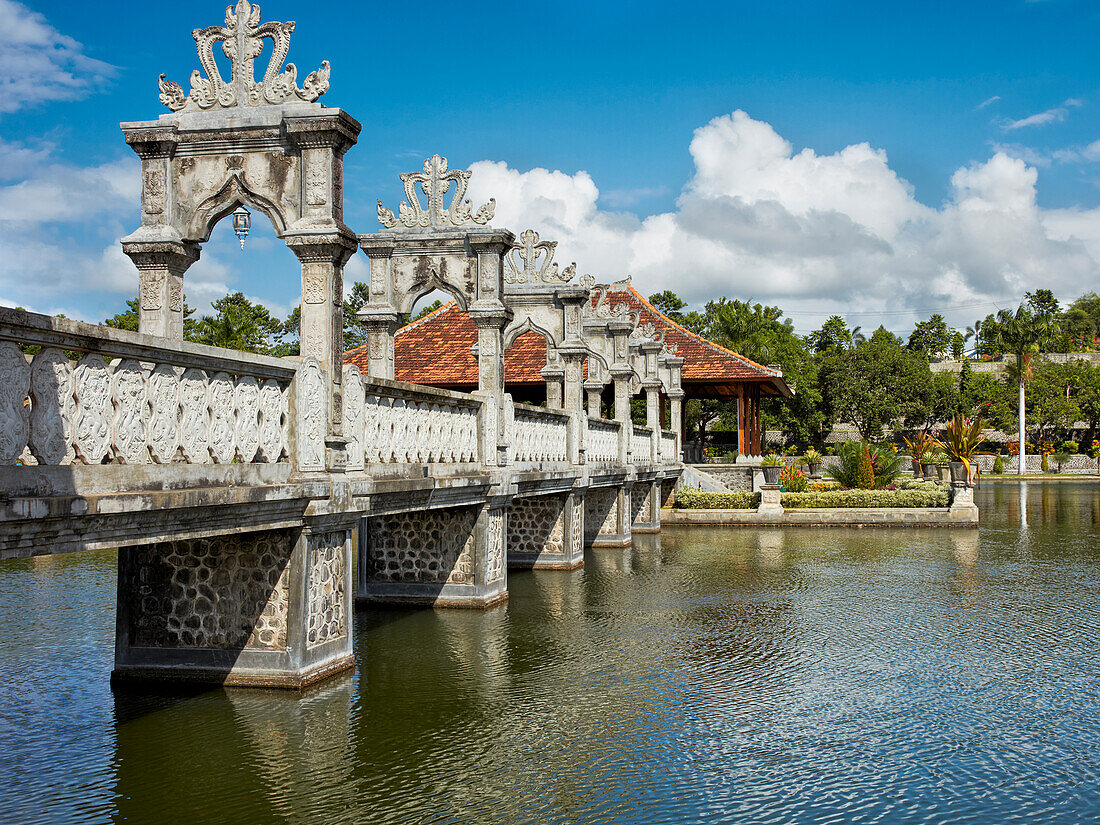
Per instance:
x=929, y=470
x=958, y=473
x=916, y=469
x=771, y=474
x=815, y=469
x=943, y=472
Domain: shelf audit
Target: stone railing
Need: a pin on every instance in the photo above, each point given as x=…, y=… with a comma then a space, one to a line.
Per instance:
x=391, y=422
x=602, y=443
x=97, y=395
x=641, y=446
x=668, y=447
x=539, y=435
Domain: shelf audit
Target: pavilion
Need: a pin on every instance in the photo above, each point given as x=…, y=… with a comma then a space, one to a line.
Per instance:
x=437, y=350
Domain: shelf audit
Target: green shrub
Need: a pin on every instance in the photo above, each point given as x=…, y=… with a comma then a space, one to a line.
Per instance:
x=1046, y=463
x=689, y=499
x=793, y=479
x=1069, y=447
x=886, y=465
x=938, y=496
x=998, y=466
x=1061, y=458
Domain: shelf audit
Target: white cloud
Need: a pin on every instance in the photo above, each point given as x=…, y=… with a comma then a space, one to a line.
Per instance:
x=813, y=233
x=39, y=64
x=989, y=101
x=1055, y=115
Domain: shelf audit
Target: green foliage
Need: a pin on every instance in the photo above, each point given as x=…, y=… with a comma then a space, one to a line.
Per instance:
x=239, y=324
x=812, y=456
x=129, y=320
x=927, y=496
x=1061, y=457
x=1046, y=463
x=865, y=473
x=689, y=499
x=430, y=308
x=1070, y=447
x=771, y=460
x=669, y=303
x=958, y=345
x=793, y=479
x=886, y=466
x=961, y=437
x=998, y=466
x=931, y=337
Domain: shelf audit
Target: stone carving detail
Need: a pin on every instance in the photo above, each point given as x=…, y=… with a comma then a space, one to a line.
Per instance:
x=52, y=410
x=641, y=446
x=399, y=431
x=668, y=447
x=316, y=184
x=522, y=265
x=195, y=417
x=434, y=182
x=536, y=525
x=164, y=424
x=600, y=512
x=641, y=510
x=15, y=382
x=128, y=425
x=327, y=599
x=312, y=413
x=151, y=287
x=602, y=441
x=153, y=196
x=92, y=387
x=222, y=419
x=354, y=401
x=224, y=593
x=313, y=283
x=576, y=538
x=247, y=418
x=242, y=38
x=271, y=405
x=495, y=551
x=539, y=436
x=602, y=308
x=432, y=546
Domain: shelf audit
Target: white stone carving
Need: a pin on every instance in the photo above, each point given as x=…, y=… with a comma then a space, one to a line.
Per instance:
x=404, y=430
x=434, y=182
x=311, y=413
x=52, y=407
x=242, y=38
x=668, y=448
x=271, y=422
x=92, y=388
x=641, y=446
x=602, y=441
x=222, y=418
x=15, y=383
x=540, y=437
x=247, y=414
x=131, y=412
x=522, y=264
x=354, y=402
x=164, y=424
x=195, y=417
x=494, y=546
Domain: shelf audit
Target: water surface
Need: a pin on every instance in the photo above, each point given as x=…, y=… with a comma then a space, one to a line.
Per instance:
x=873, y=675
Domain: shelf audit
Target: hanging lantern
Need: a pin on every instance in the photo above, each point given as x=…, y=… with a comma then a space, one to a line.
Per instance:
x=242, y=222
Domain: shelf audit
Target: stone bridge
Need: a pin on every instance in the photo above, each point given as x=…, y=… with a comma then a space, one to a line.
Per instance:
x=256, y=500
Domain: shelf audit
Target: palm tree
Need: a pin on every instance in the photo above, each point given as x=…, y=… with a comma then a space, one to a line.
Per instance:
x=1022, y=334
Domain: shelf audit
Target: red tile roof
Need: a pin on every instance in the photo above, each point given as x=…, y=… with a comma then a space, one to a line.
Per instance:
x=436, y=350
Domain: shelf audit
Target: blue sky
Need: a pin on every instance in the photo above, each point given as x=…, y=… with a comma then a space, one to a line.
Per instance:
x=980, y=176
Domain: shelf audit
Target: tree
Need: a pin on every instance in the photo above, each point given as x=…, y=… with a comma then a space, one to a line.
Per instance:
x=834, y=335
x=931, y=336
x=430, y=308
x=1082, y=321
x=958, y=345
x=239, y=324
x=129, y=320
x=669, y=303
x=1022, y=333
x=872, y=384
x=1051, y=405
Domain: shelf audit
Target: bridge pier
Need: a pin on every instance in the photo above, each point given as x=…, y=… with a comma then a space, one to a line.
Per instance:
x=546, y=532
x=258, y=609
x=451, y=557
x=607, y=518
x=645, y=506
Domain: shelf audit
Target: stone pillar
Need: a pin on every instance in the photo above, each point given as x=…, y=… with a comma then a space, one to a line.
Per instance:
x=546, y=532
x=555, y=390
x=379, y=316
x=160, y=267
x=645, y=507
x=607, y=516
x=453, y=557
x=770, y=501
x=322, y=327
x=261, y=609
x=963, y=509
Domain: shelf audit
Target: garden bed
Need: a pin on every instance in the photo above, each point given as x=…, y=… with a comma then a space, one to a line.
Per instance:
x=924, y=495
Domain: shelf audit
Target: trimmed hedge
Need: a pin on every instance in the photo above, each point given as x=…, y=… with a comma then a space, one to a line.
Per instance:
x=939, y=496
x=688, y=499
x=926, y=496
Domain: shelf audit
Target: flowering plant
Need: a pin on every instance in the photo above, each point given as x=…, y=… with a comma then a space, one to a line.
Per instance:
x=793, y=480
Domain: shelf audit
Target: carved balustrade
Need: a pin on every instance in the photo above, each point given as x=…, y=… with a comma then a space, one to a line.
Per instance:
x=641, y=446
x=391, y=422
x=602, y=441
x=539, y=435
x=668, y=447
x=96, y=395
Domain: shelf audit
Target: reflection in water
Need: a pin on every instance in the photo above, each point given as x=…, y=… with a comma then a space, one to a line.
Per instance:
x=706, y=675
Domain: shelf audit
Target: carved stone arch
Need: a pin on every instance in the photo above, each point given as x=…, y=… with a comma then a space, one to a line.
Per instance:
x=519, y=327
x=407, y=300
x=234, y=193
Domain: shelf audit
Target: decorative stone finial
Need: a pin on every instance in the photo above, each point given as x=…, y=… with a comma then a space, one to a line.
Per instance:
x=242, y=39
x=434, y=182
x=522, y=266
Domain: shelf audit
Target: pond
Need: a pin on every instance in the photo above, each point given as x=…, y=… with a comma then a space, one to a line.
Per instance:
x=736, y=675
